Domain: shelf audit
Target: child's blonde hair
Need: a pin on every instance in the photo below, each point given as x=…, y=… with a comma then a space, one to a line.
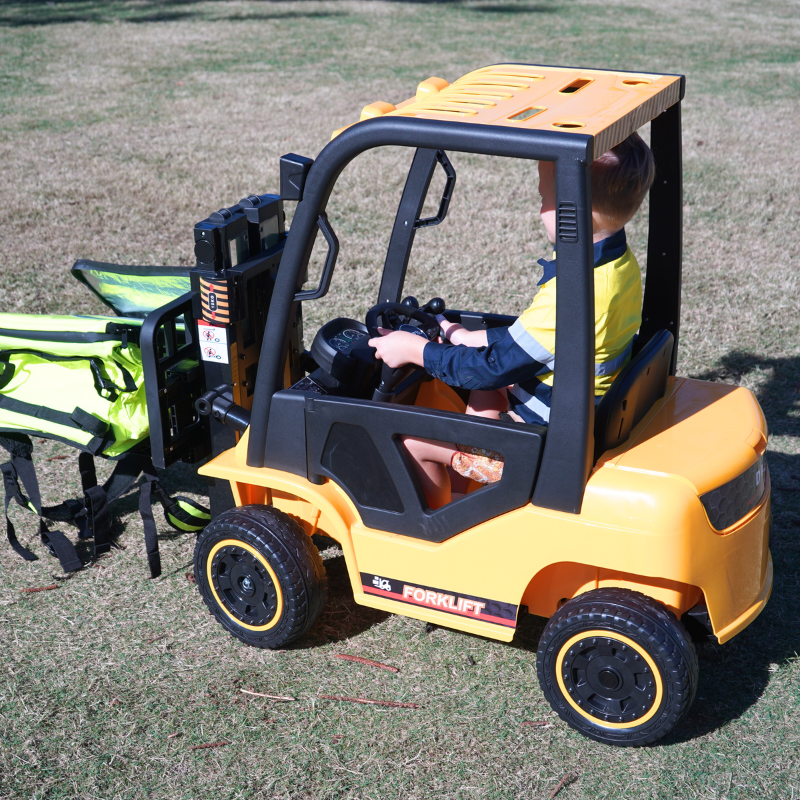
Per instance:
x=621, y=178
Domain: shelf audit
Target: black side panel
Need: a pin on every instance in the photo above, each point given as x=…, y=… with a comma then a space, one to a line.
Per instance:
x=477, y=321
x=403, y=232
x=351, y=456
x=329, y=420
x=662, y=293
x=286, y=440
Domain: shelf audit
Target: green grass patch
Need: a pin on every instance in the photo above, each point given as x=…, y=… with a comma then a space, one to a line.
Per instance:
x=123, y=124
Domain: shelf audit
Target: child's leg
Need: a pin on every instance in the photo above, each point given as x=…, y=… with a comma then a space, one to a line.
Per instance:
x=482, y=403
x=431, y=460
x=487, y=403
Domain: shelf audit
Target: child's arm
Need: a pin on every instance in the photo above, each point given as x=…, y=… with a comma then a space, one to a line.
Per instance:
x=458, y=334
x=396, y=348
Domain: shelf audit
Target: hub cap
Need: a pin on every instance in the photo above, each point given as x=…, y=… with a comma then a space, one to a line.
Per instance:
x=611, y=680
x=244, y=585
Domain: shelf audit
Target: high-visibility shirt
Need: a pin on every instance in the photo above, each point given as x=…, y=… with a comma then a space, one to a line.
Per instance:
x=523, y=355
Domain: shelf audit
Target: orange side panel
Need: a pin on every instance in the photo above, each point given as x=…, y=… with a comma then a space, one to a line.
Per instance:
x=554, y=585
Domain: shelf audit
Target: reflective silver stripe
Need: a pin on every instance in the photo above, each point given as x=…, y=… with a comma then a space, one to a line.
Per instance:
x=531, y=401
x=607, y=367
x=535, y=350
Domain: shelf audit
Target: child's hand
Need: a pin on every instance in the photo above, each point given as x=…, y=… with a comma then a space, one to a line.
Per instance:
x=396, y=348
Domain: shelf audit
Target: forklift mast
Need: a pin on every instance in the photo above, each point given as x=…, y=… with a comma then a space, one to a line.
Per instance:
x=211, y=337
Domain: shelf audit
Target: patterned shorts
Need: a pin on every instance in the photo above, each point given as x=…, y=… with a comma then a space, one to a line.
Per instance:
x=483, y=466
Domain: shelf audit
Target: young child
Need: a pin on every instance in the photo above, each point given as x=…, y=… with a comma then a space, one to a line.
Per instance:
x=510, y=370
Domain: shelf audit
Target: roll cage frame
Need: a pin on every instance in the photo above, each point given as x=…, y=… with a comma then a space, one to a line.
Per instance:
x=567, y=458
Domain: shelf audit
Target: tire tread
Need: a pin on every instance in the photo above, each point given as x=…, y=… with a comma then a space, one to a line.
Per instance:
x=290, y=552
x=644, y=620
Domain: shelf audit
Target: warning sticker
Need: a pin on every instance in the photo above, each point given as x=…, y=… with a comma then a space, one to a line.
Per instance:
x=213, y=342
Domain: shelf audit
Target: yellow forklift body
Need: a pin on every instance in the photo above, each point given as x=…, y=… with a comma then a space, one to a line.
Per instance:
x=642, y=527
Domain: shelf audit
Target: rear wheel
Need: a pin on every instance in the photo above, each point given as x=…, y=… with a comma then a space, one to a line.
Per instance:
x=260, y=575
x=617, y=666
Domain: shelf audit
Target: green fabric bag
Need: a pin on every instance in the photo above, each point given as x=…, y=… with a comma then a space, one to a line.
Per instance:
x=79, y=379
x=73, y=378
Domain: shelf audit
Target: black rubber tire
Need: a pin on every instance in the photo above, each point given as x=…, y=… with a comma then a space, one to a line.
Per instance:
x=655, y=632
x=293, y=558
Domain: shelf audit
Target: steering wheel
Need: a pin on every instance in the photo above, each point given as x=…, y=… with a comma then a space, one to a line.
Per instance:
x=396, y=317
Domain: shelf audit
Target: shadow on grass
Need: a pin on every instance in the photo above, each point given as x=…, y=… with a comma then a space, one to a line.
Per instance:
x=27, y=13
x=513, y=8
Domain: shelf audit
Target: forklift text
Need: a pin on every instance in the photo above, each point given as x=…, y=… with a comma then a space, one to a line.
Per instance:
x=440, y=600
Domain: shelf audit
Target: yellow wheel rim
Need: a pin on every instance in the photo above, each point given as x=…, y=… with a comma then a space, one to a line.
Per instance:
x=244, y=585
x=609, y=679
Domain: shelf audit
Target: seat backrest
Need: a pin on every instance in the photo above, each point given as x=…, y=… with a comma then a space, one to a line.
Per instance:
x=640, y=383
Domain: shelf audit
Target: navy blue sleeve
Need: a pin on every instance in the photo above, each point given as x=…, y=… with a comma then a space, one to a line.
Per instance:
x=494, y=335
x=501, y=363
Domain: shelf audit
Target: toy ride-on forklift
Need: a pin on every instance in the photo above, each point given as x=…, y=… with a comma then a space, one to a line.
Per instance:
x=633, y=525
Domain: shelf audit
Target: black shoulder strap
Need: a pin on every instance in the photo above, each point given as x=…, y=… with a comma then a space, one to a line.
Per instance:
x=148, y=522
x=91, y=514
x=12, y=490
x=20, y=467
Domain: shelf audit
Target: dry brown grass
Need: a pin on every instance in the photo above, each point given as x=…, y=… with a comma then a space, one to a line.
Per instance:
x=123, y=124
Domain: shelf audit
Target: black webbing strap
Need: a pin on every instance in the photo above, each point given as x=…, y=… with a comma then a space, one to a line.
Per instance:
x=12, y=490
x=21, y=468
x=77, y=420
x=98, y=516
x=94, y=517
x=148, y=522
x=61, y=547
x=125, y=473
x=82, y=509
x=128, y=469
x=91, y=514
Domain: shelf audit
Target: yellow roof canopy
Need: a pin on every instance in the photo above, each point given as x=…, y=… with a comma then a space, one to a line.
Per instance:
x=605, y=104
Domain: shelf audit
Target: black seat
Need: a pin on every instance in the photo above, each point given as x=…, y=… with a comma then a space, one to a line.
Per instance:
x=641, y=382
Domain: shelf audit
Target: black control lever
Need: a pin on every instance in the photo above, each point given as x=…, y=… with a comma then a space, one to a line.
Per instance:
x=218, y=403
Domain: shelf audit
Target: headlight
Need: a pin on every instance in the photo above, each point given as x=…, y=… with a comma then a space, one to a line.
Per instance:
x=735, y=499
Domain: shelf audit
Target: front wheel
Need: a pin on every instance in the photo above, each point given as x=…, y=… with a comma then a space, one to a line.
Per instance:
x=617, y=666
x=260, y=575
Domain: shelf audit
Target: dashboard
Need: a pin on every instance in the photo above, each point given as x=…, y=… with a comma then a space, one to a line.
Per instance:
x=340, y=349
x=344, y=341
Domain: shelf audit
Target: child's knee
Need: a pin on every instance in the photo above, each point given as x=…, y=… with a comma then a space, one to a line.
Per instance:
x=427, y=449
x=414, y=446
x=483, y=403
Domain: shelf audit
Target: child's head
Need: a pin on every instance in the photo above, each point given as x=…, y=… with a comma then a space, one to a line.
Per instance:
x=621, y=178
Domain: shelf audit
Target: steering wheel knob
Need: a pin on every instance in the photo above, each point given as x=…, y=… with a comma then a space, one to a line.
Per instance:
x=435, y=306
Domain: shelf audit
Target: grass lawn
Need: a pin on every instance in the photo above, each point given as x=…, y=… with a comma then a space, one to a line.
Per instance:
x=124, y=123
